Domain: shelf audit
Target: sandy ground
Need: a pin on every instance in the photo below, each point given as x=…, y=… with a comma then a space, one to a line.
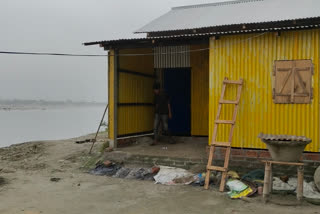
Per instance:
x=25, y=187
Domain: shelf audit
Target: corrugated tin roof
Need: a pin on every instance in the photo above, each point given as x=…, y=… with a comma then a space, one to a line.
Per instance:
x=283, y=137
x=233, y=13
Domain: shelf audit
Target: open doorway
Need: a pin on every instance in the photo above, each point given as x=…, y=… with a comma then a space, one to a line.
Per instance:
x=177, y=84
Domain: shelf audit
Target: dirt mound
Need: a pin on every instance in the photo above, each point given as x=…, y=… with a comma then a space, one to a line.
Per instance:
x=21, y=151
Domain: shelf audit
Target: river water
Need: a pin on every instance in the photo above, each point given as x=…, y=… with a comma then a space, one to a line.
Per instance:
x=17, y=126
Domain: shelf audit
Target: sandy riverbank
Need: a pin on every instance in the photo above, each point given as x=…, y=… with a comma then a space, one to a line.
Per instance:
x=26, y=187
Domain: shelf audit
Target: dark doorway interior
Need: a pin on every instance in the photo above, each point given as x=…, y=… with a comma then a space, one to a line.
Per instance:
x=177, y=83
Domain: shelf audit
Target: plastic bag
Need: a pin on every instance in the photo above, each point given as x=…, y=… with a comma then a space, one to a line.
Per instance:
x=172, y=176
x=238, y=189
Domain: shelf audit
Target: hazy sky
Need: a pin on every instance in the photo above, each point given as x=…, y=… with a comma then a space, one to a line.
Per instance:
x=62, y=26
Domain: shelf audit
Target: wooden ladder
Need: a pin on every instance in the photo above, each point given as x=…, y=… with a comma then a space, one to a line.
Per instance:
x=227, y=145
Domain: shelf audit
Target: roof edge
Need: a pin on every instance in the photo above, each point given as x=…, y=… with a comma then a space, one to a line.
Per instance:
x=202, y=35
x=214, y=4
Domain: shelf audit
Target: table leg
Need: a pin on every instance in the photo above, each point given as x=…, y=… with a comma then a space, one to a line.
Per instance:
x=271, y=179
x=266, y=182
x=300, y=183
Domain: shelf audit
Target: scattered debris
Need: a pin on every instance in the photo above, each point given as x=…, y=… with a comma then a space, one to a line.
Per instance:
x=107, y=163
x=284, y=178
x=155, y=169
x=233, y=174
x=254, y=176
x=118, y=171
x=238, y=189
x=249, y=184
x=279, y=185
x=214, y=178
x=83, y=141
x=309, y=189
x=101, y=169
x=317, y=178
x=140, y=174
x=172, y=176
x=55, y=179
x=122, y=173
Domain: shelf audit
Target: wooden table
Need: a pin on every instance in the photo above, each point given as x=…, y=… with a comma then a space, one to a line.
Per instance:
x=268, y=178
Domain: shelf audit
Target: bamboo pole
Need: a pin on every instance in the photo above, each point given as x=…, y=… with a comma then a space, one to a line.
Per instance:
x=95, y=138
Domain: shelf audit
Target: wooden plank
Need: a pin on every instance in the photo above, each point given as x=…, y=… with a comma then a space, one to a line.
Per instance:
x=222, y=94
x=283, y=163
x=283, y=71
x=232, y=82
x=217, y=168
x=303, y=81
x=225, y=122
x=295, y=94
x=207, y=179
x=284, y=83
x=222, y=144
x=226, y=165
x=228, y=102
x=293, y=81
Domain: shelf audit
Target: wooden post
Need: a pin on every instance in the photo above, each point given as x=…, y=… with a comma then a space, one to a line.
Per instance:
x=207, y=179
x=270, y=179
x=116, y=87
x=300, y=183
x=266, y=189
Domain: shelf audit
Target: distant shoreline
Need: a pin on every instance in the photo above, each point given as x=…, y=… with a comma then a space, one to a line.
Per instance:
x=46, y=107
x=18, y=104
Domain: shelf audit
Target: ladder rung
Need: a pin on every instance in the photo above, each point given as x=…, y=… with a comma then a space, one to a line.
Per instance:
x=225, y=122
x=216, y=168
x=225, y=144
x=233, y=82
x=228, y=102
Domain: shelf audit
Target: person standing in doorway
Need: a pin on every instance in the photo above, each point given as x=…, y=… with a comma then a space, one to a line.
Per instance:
x=162, y=112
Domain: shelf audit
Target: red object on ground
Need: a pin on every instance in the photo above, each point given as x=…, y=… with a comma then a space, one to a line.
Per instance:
x=155, y=169
x=107, y=163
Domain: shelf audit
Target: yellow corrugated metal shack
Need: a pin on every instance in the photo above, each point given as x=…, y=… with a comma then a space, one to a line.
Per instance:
x=191, y=49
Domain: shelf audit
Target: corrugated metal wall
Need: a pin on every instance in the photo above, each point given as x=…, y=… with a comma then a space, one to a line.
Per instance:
x=172, y=56
x=199, y=61
x=242, y=56
x=135, y=93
